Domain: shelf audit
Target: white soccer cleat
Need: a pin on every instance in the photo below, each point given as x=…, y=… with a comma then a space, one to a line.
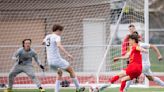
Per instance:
x=94, y=89
x=103, y=87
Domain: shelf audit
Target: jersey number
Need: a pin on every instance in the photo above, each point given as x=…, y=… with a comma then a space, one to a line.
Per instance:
x=48, y=42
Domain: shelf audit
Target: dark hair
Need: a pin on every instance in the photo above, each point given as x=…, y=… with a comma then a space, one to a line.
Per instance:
x=134, y=37
x=139, y=37
x=131, y=25
x=135, y=32
x=57, y=27
x=26, y=40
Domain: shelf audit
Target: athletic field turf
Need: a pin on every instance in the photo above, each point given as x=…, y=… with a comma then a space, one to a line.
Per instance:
x=108, y=90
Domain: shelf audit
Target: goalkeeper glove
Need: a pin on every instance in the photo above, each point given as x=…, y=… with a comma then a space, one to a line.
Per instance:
x=42, y=67
x=20, y=62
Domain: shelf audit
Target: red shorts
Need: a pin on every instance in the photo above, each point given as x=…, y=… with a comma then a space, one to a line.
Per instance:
x=134, y=70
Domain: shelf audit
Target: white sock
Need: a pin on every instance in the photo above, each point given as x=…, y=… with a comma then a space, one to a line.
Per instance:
x=128, y=83
x=158, y=81
x=57, y=85
x=76, y=82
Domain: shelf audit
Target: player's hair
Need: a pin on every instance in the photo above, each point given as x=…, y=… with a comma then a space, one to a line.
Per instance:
x=131, y=25
x=134, y=37
x=57, y=27
x=135, y=32
x=26, y=40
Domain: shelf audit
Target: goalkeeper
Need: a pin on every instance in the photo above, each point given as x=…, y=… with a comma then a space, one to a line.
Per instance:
x=23, y=58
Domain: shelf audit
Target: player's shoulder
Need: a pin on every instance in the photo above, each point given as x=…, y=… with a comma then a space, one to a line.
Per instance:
x=143, y=44
x=126, y=38
x=49, y=35
x=20, y=49
x=55, y=35
x=32, y=50
x=136, y=46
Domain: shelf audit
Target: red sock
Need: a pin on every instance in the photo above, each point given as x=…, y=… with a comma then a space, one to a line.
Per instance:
x=123, y=84
x=115, y=78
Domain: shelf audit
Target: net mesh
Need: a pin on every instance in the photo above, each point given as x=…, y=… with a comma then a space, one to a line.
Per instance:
x=88, y=25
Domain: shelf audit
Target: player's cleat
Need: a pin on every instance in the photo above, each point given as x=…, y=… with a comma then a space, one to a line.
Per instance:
x=103, y=87
x=80, y=89
x=125, y=90
x=8, y=90
x=42, y=89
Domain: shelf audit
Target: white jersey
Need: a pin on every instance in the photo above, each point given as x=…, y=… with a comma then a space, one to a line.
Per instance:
x=51, y=47
x=145, y=55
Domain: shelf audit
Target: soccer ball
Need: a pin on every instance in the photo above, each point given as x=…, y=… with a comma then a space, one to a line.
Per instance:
x=98, y=88
x=94, y=89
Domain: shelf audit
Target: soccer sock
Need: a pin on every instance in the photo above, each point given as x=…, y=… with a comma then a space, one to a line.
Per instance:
x=10, y=81
x=57, y=85
x=158, y=81
x=123, y=84
x=115, y=78
x=36, y=81
x=127, y=84
x=76, y=82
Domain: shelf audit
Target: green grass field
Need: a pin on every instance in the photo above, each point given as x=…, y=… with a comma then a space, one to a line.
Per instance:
x=108, y=90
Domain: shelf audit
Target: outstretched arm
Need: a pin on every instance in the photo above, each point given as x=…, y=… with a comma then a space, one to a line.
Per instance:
x=15, y=56
x=122, y=57
x=37, y=60
x=156, y=50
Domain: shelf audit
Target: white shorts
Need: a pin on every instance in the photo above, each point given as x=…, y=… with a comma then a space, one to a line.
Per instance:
x=60, y=63
x=146, y=70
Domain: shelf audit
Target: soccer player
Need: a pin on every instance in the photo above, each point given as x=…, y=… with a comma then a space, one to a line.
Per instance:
x=146, y=63
x=23, y=58
x=134, y=67
x=125, y=44
x=55, y=61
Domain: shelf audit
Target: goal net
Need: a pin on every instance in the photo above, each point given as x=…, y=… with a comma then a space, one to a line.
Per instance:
x=93, y=32
x=131, y=12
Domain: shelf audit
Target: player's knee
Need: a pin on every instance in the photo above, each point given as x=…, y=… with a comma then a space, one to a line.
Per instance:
x=71, y=72
x=122, y=74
